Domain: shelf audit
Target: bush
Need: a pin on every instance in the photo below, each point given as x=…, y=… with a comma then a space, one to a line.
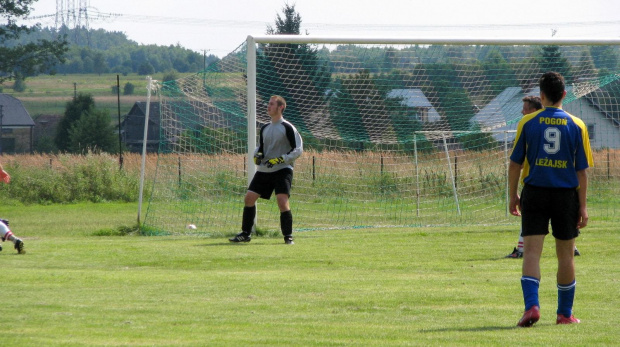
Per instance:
x=170, y=75
x=128, y=89
x=69, y=179
x=19, y=85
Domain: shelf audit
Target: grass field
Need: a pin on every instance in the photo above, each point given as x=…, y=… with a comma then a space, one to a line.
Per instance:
x=362, y=287
x=46, y=94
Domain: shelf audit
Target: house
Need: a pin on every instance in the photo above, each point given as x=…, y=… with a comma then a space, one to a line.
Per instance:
x=132, y=127
x=46, y=126
x=416, y=99
x=16, y=126
x=178, y=117
x=504, y=112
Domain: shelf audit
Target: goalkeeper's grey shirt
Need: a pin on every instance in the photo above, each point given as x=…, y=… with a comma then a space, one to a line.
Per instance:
x=279, y=139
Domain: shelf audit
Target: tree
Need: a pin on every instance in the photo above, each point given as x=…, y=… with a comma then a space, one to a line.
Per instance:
x=99, y=64
x=551, y=59
x=74, y=110
x=498, y=72
x=586, y=69
x=27, y=59
x=293, y=71
x=93, y=131
x=146, y=68
x=128, y=88
x=604, y=57
x=19, y=85
x=289, y=25
x=346, y=105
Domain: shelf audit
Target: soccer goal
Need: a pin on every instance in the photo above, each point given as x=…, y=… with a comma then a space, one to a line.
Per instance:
x=397, y=132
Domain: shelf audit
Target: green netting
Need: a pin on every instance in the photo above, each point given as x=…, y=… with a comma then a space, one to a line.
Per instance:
x=394, y=135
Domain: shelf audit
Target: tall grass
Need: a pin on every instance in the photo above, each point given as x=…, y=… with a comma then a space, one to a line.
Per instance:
x=358, y=188
x=67, y=178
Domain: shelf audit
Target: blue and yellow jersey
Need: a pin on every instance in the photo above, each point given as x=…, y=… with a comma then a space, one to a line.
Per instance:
x=552, y=145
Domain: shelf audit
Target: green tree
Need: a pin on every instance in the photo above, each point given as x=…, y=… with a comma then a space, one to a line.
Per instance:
x=170, y=75
x=605, y=57
x=452, y=101
x=19, y=85
x=74, y=110
x=146, y=68
x=289, y=25
x=99, y=64
x=128, y=88
x=293, y=71
x=551, y=59
x=27, y=59
x=586, y=69
x=93, y=131
x=498, y=72
x=349, y=99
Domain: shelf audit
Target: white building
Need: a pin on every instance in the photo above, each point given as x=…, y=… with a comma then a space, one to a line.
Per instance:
x=504, y=111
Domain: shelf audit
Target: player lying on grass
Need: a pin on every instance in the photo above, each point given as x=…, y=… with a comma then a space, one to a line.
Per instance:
x=5, y=232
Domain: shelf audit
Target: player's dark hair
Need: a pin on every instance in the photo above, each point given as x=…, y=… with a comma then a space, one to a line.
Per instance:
x=534, y=101
x=552, y=84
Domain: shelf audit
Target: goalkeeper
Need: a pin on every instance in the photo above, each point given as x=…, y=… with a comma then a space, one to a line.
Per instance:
x=278, y=146
x=5, y=232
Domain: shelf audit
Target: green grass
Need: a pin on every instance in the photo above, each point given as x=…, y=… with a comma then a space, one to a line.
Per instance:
x=362, y=287
x=48, y=94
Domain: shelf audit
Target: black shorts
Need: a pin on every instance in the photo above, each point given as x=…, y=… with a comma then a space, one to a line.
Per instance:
x=264, y=183
x=541, y=205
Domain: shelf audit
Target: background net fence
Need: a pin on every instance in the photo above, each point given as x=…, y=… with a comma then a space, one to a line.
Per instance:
x=394, y=135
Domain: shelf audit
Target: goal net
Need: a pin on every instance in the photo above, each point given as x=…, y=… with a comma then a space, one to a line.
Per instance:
x=396, y=132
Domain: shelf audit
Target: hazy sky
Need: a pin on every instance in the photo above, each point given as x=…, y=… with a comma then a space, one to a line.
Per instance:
x=220, y=26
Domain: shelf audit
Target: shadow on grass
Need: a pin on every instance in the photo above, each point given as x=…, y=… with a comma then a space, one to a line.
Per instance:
x=245, y=244
x=491, y=328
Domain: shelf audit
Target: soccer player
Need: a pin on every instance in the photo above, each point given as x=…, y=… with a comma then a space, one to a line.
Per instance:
x=5, y=232
x=531, y=104
x=279, y=145
x=553, y=150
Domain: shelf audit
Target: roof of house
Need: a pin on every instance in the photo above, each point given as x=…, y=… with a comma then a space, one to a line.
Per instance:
x=414, y=97
x=14, y=113
x=139, y=109
x=411, y=97
x=503, y=110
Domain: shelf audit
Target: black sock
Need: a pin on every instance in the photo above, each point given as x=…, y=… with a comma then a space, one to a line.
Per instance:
x=249, y=213
x=286, y=223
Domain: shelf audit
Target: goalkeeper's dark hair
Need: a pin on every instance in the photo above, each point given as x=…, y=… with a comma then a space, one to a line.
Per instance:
x=552, y=84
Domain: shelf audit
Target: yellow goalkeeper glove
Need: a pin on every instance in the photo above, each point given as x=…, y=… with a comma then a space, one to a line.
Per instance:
x=274, y=161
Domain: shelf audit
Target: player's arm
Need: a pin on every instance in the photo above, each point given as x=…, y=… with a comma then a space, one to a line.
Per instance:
x=514, y=171
x=295, y=151
x=582, y=192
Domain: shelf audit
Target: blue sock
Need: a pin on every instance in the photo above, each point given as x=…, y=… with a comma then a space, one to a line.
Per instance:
x=566, y=295
x=530, y=291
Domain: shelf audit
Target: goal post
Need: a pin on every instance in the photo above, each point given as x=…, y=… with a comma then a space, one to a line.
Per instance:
x=397, y=131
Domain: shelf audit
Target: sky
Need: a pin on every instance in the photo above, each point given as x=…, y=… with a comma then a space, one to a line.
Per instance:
x=218, y=27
